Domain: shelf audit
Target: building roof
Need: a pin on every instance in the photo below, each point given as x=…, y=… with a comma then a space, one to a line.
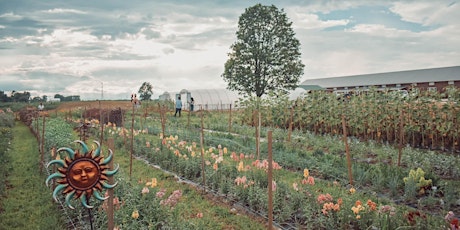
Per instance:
x=400, y=77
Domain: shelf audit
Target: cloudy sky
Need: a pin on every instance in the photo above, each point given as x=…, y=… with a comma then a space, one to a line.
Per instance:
x=78, y=47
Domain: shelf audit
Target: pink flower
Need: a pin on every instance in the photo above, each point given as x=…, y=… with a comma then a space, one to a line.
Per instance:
x=322, y=198
x=310, y=180
x=145, y=190
x=161, y=193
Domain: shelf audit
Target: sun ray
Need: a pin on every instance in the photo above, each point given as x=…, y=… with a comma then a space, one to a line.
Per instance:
x=59, y=162
x=85, y=203
x=57, y=190
x=105, y=185
x=111, y=173
x=108, y=158
x=83, y=145
x=97, y=152
x=68, y=150
x=52, y=176
x=99, y=196
x=68, y=198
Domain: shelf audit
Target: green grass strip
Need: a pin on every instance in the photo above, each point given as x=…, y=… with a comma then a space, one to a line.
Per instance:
x=28, y=202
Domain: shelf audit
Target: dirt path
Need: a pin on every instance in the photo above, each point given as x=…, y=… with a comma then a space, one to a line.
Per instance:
x=28, y=203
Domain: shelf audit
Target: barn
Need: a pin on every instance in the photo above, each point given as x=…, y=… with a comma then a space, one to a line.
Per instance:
x=434, y=79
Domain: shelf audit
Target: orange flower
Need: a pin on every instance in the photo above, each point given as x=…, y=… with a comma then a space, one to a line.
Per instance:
x=215, y=166
x=135, y=214
x=339, y=201
x=372, y=205
x=358, y=203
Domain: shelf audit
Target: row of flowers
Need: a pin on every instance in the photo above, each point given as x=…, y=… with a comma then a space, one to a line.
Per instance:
x=249, y=179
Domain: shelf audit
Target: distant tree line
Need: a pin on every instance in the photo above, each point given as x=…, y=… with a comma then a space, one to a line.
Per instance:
x=25, y=97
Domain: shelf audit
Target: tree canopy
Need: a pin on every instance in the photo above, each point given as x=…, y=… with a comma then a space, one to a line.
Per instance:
x=266, y=55
x=145, y=91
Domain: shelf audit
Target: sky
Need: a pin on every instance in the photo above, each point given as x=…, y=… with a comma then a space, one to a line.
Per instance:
x=106, y=49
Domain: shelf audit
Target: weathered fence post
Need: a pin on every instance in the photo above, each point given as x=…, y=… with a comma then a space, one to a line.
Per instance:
x=132, y=144
x=270, y=181
x=230, y=120
x=401, y=135
x=202, y=150
x=347, y=150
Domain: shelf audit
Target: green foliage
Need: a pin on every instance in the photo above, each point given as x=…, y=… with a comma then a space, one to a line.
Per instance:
x=266, y=56
x=58, y=133
x=6, y=119
x=416, y=183
x=145, y=91
x=27, y=203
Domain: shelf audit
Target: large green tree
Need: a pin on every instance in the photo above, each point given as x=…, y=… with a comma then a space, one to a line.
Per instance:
x=145, y=91
x=266, y=55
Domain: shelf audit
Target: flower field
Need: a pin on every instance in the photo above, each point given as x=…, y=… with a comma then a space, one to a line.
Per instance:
x=203, y=170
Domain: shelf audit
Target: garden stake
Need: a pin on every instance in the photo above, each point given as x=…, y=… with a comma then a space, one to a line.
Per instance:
x=347, y=150
x=110, y=211
x=256, y=122
x=202, y=150
x=132, y=145
x=101, y=123
x=401, y=135
x=290, y=125
x=42, y=145
x=89, y=214
x=230, y=120
x=270, y=181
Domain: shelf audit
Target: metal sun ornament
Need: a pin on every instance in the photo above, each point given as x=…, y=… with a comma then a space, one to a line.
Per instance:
x=82, y=175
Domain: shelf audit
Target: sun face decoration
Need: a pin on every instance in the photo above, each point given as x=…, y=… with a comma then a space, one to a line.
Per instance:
x=82, y=175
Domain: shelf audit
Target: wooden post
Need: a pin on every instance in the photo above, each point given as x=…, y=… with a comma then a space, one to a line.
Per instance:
x=101, y=123
x=42, y=144
x=230, y=120
x=401, y=135
x=202, y=150
x=110, y=210
x=347, y=150
x=132, y=145
x=270, y=181
x=256, y=122
x=290, y=124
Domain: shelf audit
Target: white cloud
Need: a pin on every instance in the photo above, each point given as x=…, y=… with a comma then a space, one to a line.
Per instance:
x=428, y=13
x=64, y=11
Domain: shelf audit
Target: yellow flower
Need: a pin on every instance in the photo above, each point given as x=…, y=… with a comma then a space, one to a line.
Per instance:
x=225, y=150
x=306, y=173
x=358, y=217
x=135, y=214
x=193, y=154
x=152, y=183
x=240, y=166
x=352, y=190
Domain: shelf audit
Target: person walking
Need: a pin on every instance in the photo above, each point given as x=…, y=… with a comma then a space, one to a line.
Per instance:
x=192, y=104
x=178, y=106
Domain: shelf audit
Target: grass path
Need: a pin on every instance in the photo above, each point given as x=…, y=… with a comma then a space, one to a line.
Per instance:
x=28, y=203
